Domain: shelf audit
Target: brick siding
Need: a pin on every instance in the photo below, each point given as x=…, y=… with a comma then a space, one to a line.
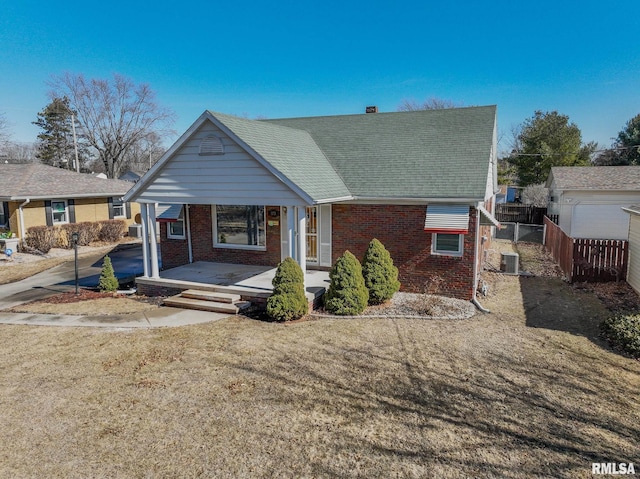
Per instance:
x=175, y=252
x=401, y=229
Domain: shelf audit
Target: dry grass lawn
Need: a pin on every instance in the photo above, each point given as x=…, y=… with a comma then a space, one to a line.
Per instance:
x=526, y=391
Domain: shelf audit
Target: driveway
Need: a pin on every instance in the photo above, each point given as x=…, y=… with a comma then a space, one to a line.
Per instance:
x=127, y=264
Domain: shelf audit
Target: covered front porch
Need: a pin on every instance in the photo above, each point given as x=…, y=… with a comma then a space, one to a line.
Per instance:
x=251, y=282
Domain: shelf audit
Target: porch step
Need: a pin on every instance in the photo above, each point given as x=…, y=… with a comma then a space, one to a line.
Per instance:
x=207, y=305
x=211, y=296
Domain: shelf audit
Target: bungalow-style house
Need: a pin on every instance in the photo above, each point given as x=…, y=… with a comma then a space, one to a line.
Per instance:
x=254, y=192
x=589, y=199
x=34, y=194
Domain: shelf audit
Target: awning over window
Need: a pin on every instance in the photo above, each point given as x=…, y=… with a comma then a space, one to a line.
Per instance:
x=451, y=219
x=487, y=219
x=168, y=213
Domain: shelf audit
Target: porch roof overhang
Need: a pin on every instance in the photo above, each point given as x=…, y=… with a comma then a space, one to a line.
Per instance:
x=166, y=213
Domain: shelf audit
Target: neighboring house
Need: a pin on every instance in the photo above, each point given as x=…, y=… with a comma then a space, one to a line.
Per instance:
x=508, y=194
x=132, y=176
x=633, y=263
x=35, y=194
x=257, y=191
x=589, y=199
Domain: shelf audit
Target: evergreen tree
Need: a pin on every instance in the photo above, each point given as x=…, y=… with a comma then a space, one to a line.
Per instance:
x=548, y=139
x=108, y=280
x=347, y=294
x=55, y=142
x=380, y=275
x=288, y=301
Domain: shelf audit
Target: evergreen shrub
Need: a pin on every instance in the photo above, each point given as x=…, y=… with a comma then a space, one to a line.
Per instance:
x=380, y=275
x=347, y=294
x=288, y=301
x=623, y=332
x=108, y=281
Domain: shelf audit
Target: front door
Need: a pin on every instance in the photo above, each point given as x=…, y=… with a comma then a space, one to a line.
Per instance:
x=318, y=234
x=312, y=234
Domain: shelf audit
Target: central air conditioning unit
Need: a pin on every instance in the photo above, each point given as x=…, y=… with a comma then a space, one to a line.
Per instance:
x=135, y=231
x=509, y=263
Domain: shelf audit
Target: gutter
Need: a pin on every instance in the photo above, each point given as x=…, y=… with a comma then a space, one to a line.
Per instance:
x=476, y=276
x=188, y=227
x=21, y=220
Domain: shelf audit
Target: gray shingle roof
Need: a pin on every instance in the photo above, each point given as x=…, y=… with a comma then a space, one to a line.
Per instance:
x=38, y=181
x=421, y=154
x=622, y=178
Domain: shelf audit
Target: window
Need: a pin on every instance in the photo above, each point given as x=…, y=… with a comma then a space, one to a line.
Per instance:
x=118, y=208
x=175, y=229
x=59, y=212
x=447, y=244
x=4, y=214
x=239, y=227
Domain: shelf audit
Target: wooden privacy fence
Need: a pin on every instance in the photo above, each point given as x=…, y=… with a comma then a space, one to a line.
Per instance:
x=517, y=213
x=589, y=260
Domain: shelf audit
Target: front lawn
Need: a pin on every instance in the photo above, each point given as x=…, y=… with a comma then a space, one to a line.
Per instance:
x=499, y=395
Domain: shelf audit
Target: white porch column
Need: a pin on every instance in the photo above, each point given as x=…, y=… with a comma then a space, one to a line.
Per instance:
x=155, y=272
x=144, y=218
x=302, y=242
x=291, y=228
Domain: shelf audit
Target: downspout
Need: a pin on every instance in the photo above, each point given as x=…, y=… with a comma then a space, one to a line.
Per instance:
x=476, y=276
x=21, y=220
x=188, y=226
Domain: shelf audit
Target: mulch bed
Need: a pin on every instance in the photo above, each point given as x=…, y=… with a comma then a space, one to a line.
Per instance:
x=88, y=294
x=83, y=295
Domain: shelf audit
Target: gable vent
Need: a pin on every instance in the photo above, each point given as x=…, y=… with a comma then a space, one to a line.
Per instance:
x=211, y=145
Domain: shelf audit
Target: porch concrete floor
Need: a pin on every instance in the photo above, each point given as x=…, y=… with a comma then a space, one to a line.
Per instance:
x=239, y=275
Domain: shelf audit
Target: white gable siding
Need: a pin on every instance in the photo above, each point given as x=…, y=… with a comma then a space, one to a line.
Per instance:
x=633, y=267
x=234, y=177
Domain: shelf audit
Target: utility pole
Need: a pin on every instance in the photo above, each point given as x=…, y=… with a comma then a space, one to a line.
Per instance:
x=75, y=142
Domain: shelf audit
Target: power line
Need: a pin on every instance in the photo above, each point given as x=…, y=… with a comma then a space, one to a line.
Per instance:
x=515, y=154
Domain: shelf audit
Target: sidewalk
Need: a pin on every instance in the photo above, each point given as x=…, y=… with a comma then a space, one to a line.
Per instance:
x=157, y=318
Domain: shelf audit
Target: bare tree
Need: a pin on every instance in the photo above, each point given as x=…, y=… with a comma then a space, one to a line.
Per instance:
x=536, y=195
x=19, y=152
x=115, y=115
x=432, y=103
x=5, y=131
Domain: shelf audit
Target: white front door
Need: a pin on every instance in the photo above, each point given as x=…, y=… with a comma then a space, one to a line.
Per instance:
x=318, y=234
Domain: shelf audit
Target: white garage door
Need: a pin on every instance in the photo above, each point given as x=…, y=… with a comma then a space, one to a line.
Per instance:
x=600, y=222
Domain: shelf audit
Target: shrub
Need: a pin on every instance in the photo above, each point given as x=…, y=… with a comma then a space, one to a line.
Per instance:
x=288, y=301
x=41, y=238
x=112, y=231
x=623, y=332
x=380, y=275
x=88, y=232
x=108, y=280
x=347, y=294
x=63, y=235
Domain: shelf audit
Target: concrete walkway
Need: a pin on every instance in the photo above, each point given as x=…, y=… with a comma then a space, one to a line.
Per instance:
x=157, y=318
x=127, y=262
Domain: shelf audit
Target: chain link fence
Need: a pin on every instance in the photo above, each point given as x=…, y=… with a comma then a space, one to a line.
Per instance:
x=521, y=232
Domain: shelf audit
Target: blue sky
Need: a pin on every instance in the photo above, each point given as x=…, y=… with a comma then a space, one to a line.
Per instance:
x=305, y=58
